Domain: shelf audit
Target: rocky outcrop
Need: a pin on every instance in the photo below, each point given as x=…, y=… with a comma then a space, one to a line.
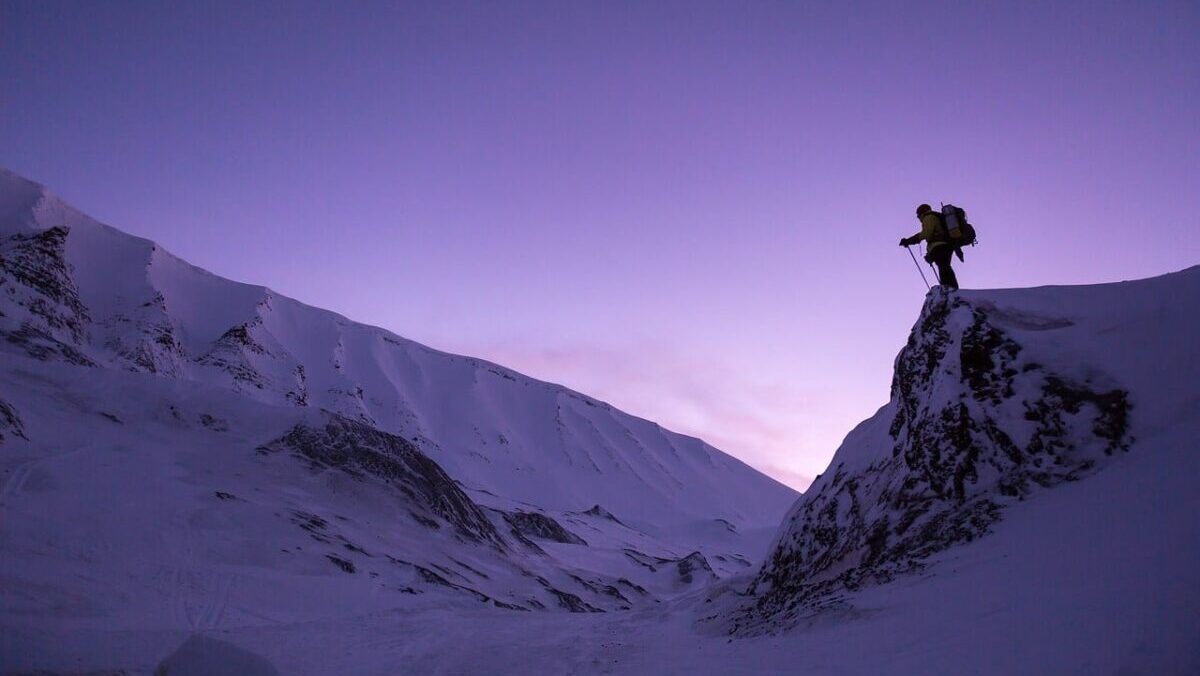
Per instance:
x=40, y=310
x=144, y=339
x=601, y=513
x=534, y=524
x=686, y=570
x=694, y=566
x=973, y=425
x=236, y=352
x=363, y=451
x=10, y=422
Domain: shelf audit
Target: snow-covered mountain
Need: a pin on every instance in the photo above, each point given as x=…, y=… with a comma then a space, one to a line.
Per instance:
x=183, y=451
x=205, y=468
x=85, y=293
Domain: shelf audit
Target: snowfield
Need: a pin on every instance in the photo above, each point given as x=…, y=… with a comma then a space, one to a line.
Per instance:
x=203, y=476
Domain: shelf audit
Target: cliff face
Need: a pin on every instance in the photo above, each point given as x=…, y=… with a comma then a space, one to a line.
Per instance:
x=43, y=315
x=976, y=422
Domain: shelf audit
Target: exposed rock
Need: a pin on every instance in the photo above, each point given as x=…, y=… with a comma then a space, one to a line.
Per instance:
x=653, y=563
x=213, y=423
x=634, y=586
x=974, y=427
x=431, y=577
x=521, y=538
x=601, y=588
x=534, y=524
x=424, y=520
x=570, y=601
x=234, y=353
x=316, y=527
x=602, y=513
x=144, y=339
x=35, y=275
x=42, y=314
x=40, y=344
x=299, y=395
x=474, y=571
x=10, y=422
x=693, y=565
x=346, y=566
x=360, y=450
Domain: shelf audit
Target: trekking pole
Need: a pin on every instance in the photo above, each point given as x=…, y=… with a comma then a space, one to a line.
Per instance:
x=914, y=257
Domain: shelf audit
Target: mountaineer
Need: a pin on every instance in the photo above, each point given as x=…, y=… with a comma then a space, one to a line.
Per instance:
x=939, y=247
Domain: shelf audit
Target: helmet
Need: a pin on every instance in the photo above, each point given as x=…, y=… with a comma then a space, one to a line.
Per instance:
x=923, y=209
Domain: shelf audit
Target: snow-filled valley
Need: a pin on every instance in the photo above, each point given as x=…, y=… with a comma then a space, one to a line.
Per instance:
x=205, y=472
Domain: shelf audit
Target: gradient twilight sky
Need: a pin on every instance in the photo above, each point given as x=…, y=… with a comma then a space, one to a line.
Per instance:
x=687, y=209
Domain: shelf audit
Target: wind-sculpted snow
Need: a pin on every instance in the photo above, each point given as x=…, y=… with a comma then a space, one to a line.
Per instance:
x=974, y=424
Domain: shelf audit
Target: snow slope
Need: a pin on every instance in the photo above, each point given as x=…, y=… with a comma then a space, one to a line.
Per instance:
x=181, y=453
x=86, y=293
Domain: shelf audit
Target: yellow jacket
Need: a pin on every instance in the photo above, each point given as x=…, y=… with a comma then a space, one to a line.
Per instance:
x=932, y=231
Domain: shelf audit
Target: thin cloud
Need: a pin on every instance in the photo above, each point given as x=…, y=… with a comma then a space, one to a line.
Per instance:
x=760, y=423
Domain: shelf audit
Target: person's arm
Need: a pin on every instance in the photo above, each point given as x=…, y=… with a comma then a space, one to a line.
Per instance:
x=929, y=226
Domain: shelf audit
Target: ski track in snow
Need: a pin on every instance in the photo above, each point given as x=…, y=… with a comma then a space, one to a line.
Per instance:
x=17, y=478
x=200, y=598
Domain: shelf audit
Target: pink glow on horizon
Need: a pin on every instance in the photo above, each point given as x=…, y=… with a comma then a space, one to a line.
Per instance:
x=757, y=422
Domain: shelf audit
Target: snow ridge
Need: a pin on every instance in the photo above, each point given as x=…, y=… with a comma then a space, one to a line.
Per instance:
x=81, y=292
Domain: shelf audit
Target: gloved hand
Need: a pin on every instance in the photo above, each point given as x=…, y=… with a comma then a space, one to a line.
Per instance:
x=958, y=252
x=908, y=241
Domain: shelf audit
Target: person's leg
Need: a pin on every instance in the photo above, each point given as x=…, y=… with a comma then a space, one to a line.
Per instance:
x=941, y=257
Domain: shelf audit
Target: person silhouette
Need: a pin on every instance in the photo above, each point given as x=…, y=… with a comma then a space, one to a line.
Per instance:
x=938, y=247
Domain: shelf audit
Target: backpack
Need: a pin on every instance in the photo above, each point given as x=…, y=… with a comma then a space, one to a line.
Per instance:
x=959, y=232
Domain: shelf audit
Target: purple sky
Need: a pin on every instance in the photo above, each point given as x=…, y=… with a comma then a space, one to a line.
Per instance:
x=688, y=209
